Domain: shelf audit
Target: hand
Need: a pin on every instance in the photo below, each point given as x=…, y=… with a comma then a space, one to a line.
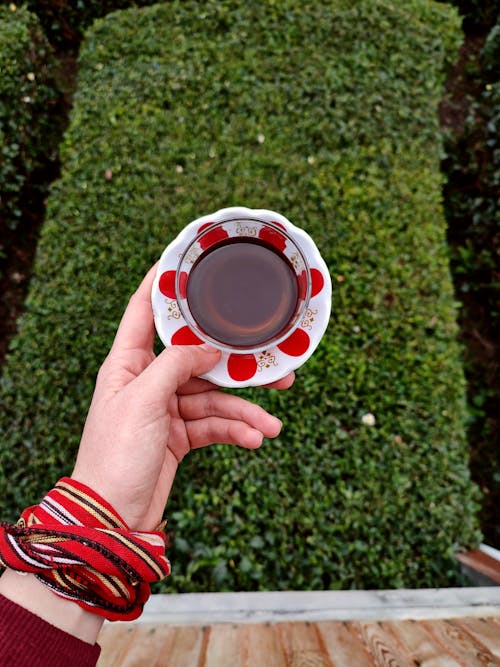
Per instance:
x=148, y=412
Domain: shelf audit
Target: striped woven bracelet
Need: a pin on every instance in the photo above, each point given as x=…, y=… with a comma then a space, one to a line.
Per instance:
x=75, y=543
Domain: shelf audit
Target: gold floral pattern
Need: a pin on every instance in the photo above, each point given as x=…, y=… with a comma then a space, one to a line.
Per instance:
x=266, y=360
x=297, y=262
x=192, y=256
x=294, y=259
x=246, y=230
x=308, y=320
x=172, y=309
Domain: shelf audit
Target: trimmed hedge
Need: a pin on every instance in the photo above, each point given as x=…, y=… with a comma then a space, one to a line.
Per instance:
x=28, y=96
x=327, y=113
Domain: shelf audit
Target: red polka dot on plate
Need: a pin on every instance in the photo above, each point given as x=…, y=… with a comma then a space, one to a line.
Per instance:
x=317, y=282
x=297, y=344
x=241, y=367
x=210, y=238
x=184, y=336
x=167, y=284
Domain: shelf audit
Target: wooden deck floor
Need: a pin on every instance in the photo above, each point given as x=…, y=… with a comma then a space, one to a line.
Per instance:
x=457, y=642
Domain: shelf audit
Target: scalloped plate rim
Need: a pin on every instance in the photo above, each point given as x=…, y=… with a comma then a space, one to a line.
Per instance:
x=322, y=300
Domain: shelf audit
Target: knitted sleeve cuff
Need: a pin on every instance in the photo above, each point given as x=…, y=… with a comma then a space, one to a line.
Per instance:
x=25, y=639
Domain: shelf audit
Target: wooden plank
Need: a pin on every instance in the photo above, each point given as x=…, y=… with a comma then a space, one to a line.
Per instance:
x=344, y=644
x=481, y=562
x=182, y=647
x=264, y=646
x=384, y=646
x=154, y=646
x=460, y=645
x=424, y=649
x=459, y=642
x=144, y=647
x=227, y=646
x=114, y=641
x=303, y=646
x=484, y=630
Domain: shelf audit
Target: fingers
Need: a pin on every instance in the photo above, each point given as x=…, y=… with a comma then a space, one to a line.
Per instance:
x=136, y=330
x=203, y=432
x=173, y=368
x=217, y=404
x=197, y=385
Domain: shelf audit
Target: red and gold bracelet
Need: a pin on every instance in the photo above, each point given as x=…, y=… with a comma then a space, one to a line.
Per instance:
x=75, y=543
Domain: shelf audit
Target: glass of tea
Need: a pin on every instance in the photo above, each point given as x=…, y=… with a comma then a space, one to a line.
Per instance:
x=243, y=284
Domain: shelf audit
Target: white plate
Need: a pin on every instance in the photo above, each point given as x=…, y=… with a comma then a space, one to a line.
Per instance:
x=245, y=370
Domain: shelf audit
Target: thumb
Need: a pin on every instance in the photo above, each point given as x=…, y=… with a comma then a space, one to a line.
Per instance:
x=173, y=367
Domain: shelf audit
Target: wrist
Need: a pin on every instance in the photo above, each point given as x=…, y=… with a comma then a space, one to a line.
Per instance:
x=29, y=593
x=141, y=506
x=73, y=538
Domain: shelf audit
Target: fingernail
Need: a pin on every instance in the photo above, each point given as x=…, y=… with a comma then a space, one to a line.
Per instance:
x=258, y=439
x=208, y=348
x=279, y=423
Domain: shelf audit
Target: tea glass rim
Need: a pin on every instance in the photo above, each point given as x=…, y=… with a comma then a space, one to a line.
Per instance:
x=235, y=349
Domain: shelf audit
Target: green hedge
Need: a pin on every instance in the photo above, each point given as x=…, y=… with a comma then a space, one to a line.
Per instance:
x=325, y=112
x=28, y=96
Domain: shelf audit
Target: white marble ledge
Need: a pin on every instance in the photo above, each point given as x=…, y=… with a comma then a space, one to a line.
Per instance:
x=262, y=607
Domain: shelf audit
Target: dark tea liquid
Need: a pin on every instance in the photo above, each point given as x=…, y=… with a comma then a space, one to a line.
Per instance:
x=242, y=293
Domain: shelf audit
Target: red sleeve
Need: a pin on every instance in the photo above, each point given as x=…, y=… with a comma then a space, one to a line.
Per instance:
x=26, y=640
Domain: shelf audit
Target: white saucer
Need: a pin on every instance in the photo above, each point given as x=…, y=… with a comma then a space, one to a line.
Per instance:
x=245, y=370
